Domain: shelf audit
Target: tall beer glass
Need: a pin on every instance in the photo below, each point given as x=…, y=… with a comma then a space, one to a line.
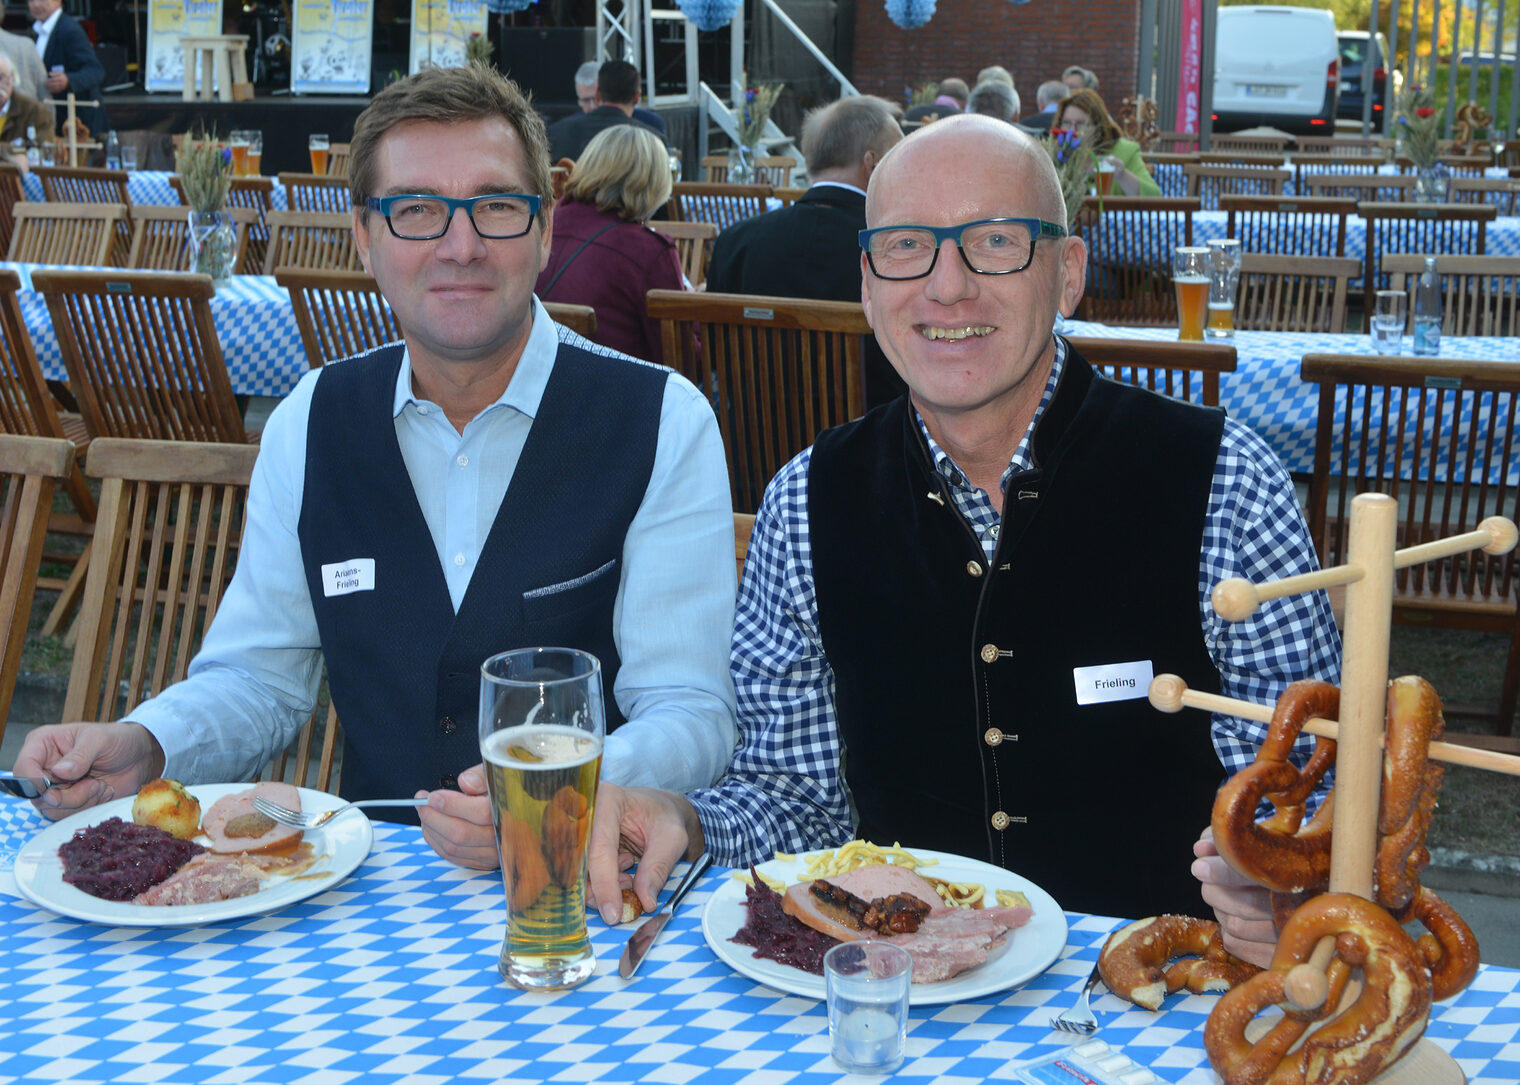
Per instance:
x=541, y=729
x=1190, y=275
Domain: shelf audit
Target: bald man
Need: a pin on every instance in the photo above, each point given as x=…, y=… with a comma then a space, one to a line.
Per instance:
x=952, y=606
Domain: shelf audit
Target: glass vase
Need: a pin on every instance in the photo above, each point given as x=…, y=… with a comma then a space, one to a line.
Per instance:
x=741, y=165
x=1431, y=183
x=213, y=244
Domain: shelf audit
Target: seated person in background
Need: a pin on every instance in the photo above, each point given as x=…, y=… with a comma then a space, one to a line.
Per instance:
x=1048, y=98
x=992, y=98
x=811, y=248
x=1024, y=520
x=995, y=73
x=617, y=95
x=1077, y=78
x=18, y=113
x=604, y=254
x=510, y=487
x=950, y=99
x=1131, y=178
x=585, y=97
x=31, y=76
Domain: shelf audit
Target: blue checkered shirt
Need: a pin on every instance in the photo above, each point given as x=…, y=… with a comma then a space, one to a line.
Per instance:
x=784, y=790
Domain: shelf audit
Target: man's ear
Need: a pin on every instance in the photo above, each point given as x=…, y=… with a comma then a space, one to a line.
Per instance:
x=361, y=240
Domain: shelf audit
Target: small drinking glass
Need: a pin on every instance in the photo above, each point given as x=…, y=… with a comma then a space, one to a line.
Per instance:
x=47, y=152
x=1224, y=279
x=1191, y=269
x=319, y=147
x=1388, y=322
x=129, y=158
x=867, y=985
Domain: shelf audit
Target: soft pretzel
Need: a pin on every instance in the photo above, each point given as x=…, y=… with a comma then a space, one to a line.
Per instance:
x=1385, y=1020
x=1411, y=785
x=1450, y=949
x=1135, y=960
x=1281, y=852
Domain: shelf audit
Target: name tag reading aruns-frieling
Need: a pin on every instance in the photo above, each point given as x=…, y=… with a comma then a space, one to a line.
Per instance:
x=1112, y=682
x=346, y=577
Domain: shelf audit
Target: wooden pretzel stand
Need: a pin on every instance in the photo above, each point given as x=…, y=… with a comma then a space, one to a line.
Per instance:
x=71, y=138
x=1368, y=576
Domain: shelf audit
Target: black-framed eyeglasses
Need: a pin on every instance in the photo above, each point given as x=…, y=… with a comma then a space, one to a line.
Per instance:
x=495, y=216
x=988, y=246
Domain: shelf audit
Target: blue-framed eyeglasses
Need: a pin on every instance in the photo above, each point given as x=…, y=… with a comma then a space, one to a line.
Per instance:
x=495, y=216
x=988, y=246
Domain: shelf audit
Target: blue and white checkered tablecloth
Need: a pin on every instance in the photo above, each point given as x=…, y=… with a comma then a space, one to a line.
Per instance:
x=145, y=187
x=1265, y=391
x=391, y=977
x=254, y=322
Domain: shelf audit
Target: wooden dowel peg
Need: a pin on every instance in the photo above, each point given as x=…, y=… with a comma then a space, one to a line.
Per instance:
x=1306, y=985
x=1169, y=693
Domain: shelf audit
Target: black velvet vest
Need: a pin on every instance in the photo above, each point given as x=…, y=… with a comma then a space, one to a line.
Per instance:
x=402, y=666
x=954, y=683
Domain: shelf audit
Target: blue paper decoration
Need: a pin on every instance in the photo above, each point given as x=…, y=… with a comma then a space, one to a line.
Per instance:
x=910, y=14
x=507, y=7
x=710, y=14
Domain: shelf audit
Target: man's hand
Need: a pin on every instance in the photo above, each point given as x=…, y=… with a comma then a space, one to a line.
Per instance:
x=458, y=823
x=1243, y=908
x=92, y=762
x=655, y=829
x=57, y=82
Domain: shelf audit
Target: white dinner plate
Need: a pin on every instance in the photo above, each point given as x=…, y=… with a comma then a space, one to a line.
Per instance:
x=1030, y=949
x=340, y=846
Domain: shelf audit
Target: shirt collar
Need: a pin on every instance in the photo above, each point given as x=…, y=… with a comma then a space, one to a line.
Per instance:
x=47, y=25
x=1022, y=460
x=525, y=391
x=838, y=184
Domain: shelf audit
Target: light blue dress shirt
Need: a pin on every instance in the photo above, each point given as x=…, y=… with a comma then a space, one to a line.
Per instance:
x=254, y=682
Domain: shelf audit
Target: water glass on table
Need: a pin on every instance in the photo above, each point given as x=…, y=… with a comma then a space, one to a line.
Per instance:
x=1224, y=279
x=1388, y=322
x=542, y=726
x=128, y=157
x=319, y=146
x=867, y=985
x=1191, y=269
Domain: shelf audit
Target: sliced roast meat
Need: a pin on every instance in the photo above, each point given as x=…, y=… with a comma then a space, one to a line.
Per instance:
x=232, y=818
x=867, y=884
x=205, y=879
x=952, y=940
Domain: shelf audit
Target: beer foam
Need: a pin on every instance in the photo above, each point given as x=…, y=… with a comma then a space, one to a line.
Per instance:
x=555, y=746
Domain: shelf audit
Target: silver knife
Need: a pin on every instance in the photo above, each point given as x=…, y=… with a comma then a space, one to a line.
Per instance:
x=23, y=787
x=643, y=938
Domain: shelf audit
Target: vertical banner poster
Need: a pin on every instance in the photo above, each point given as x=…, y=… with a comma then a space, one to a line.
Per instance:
x=330, y=46
x=168, y=22
x=1190, y=66
x=440, y=29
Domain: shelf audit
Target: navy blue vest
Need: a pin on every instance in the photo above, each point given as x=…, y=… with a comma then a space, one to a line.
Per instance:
x=402, y=667
x=953, y=680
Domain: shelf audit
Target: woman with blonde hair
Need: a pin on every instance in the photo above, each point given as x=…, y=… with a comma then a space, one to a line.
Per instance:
x=1085, y=107
x=603, y=253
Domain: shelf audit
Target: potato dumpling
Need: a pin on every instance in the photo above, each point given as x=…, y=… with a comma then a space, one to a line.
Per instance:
x=166, y=805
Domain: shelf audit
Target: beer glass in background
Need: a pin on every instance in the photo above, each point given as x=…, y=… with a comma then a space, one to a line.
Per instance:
x=238, y=141
x=1103, y=176
x=1191, y=268
x=318, y=146
x=255, y=152
x=1388, y=322
x=542, y=725
x=1224, y=280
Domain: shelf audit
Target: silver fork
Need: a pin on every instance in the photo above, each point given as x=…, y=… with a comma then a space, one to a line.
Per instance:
x=299, y=820
x=1079, y=1018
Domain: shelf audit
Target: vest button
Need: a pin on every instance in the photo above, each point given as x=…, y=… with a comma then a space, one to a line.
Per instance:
x=989, y=653
x=993, y=737
x=448, y=779
x=973, y=568
x=1000, y=821
x=447, y=725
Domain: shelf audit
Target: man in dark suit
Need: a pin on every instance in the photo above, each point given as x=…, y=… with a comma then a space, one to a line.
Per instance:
x=70, y=61
x=1048, y=97
x=617, y=93
x=811, y=249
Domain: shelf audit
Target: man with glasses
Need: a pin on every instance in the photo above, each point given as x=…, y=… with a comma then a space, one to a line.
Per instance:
x=19, y=112
x=951, y=607
x=479, y=487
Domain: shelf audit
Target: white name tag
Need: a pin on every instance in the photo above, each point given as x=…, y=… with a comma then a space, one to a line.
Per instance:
x=346, y=577
x=1112, y=682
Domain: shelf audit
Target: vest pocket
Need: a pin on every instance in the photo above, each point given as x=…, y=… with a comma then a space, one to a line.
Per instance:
x=567, y=598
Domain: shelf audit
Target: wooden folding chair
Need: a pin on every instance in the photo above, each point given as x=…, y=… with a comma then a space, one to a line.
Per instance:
x=1280, y=293
x=581, y=319
x=337, y=160
x=81, y=184
x=1360, y=187
x=1243, y=159
x=744, y=527
x=770, y=169
x=1130, y=240
x=339, y=313
x=313, y=240
x=1186, y=371
x=29, y=469
x=778, y=371
x=1327, y=164
x=1439, y=436
x=1296, y=225
x=720, y=204
x=694, y=243
x=316, y=192
x=1480, y=295
x=1343, y=146
x=1439, y=229
x=66, y=233
x=161, y=237
x=1167, y=169
x=1210, y=182
x=1499, y=191
x=1262, y=144
x=1457, y=165
x=254, y=192
x=142, y=354
x=1176, y=143
x=11, y=193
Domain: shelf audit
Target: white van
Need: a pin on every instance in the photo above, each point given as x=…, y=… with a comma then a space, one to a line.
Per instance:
x=1276, y=66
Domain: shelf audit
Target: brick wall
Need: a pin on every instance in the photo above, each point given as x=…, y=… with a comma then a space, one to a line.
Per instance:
x=1034, y=41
